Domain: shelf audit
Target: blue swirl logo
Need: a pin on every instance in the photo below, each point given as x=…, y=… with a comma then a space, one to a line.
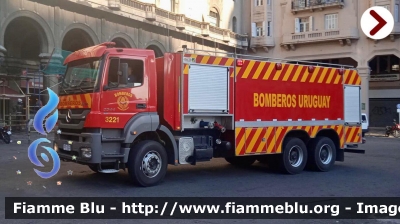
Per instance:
x=49, y=124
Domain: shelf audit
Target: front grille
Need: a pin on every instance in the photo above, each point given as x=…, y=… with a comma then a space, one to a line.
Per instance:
x=76, y=121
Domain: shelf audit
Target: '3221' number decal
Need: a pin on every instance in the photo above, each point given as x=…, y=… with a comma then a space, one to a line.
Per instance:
x=112, y=119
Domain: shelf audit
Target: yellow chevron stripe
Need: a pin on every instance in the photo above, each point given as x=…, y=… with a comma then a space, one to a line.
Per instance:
x=308, y=129
x=259, y=69
x=186, y=69
x=350, y=136
x=353, y=76
x=269, y=71
x=314, y=74
x=229, y=62
x=248, y=69
x=288, y=72
x=254, y=139
x=323, y=75
x=261, y=146
x=329, y=80
x=314, y=131
x=88, y=100
x=337, y=80
x=237, y=132
x=205, y=59
x=305, y=76
x=297, y=74
x=217, y=61
x=237, y=72
x=279, y=72
x=241, y=144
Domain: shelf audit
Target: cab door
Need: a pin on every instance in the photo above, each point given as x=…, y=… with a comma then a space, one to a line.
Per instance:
x=121, y=101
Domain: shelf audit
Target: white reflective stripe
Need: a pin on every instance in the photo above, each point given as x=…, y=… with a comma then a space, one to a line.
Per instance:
x=255, y=124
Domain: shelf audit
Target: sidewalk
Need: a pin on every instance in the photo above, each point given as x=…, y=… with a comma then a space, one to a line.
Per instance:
x=376, y=131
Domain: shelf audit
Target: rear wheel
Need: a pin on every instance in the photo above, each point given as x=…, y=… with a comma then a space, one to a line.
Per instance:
x=396, y=133
x=241, y=161
x=294, y=157
x=147, y=163
x=322, y=154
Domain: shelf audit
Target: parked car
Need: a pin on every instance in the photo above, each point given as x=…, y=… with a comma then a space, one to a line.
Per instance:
x=364, y=124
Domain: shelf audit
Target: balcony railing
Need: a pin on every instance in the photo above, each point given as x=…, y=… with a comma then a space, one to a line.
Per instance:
x=300, y=5
x=182, y=22
x=320, y=36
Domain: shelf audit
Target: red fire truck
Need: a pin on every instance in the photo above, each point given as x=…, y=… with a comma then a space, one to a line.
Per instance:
x=123, y=108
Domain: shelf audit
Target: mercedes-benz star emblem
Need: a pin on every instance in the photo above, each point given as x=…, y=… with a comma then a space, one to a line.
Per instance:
x=69, y=116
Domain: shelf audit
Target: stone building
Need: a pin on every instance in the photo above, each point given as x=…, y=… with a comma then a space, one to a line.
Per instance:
x=328, y=31
x=33, y=31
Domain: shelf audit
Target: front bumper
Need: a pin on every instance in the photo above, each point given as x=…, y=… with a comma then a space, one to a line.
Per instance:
x=76, y=142
x=102, y=151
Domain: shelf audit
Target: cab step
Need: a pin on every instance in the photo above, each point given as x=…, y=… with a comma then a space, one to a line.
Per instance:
x=109, y=171
x=104, y=139
x=112, y=155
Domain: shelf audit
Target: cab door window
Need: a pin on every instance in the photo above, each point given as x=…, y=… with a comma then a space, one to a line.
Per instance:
x=135, y=73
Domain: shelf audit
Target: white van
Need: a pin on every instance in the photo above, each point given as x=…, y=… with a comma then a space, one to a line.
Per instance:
x=364, y=124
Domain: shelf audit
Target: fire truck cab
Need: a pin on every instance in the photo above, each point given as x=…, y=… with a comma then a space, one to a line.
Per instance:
x=123, y=108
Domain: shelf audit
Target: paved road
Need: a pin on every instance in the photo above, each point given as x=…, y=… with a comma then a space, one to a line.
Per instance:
x=372, y=174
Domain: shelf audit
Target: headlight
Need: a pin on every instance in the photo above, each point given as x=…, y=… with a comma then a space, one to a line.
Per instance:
x=55, y=147
x=86, y=152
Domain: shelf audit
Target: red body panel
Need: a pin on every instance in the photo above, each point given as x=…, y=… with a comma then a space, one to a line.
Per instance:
x=169, y=71
x=297, y=93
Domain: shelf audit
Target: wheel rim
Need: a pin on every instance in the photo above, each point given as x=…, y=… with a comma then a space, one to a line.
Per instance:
x=151, y=164
x=296, y=156
x=325, y=154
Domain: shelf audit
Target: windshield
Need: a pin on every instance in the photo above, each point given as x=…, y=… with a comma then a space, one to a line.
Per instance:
x=81, y=76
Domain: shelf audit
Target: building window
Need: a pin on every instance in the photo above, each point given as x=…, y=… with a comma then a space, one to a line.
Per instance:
x=384, y=64
x=302, y=3
x=234, y=24
x=269, y=28
x=303, y=24
x=258, y=2
x=331, y=21
x=258, y=29
x=385, y=6
x=214, y=17
x=396, y=13
x=268, y=2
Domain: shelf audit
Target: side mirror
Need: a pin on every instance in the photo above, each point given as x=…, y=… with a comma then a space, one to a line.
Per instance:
x=123, y=74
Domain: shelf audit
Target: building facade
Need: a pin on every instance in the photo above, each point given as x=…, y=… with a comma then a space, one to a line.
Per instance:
x=33, y=31
x=329, y=31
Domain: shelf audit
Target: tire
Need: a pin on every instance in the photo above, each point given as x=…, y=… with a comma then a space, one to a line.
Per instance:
x=152, y=154
x=294, y=157
x=322, y=154
x=6, y=138
x=242, y=161
x=395, y=133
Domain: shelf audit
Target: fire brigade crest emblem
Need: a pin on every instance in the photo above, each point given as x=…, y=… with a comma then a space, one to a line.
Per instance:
x=123, y=103
x=123, y=100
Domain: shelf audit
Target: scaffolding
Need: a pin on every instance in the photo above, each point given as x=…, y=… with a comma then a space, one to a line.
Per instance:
x=20, y=79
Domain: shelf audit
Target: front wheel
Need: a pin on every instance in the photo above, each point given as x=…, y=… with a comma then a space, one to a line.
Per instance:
x=147, y=163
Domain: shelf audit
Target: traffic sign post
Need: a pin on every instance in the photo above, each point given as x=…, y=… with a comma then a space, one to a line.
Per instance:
x=377, y=22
